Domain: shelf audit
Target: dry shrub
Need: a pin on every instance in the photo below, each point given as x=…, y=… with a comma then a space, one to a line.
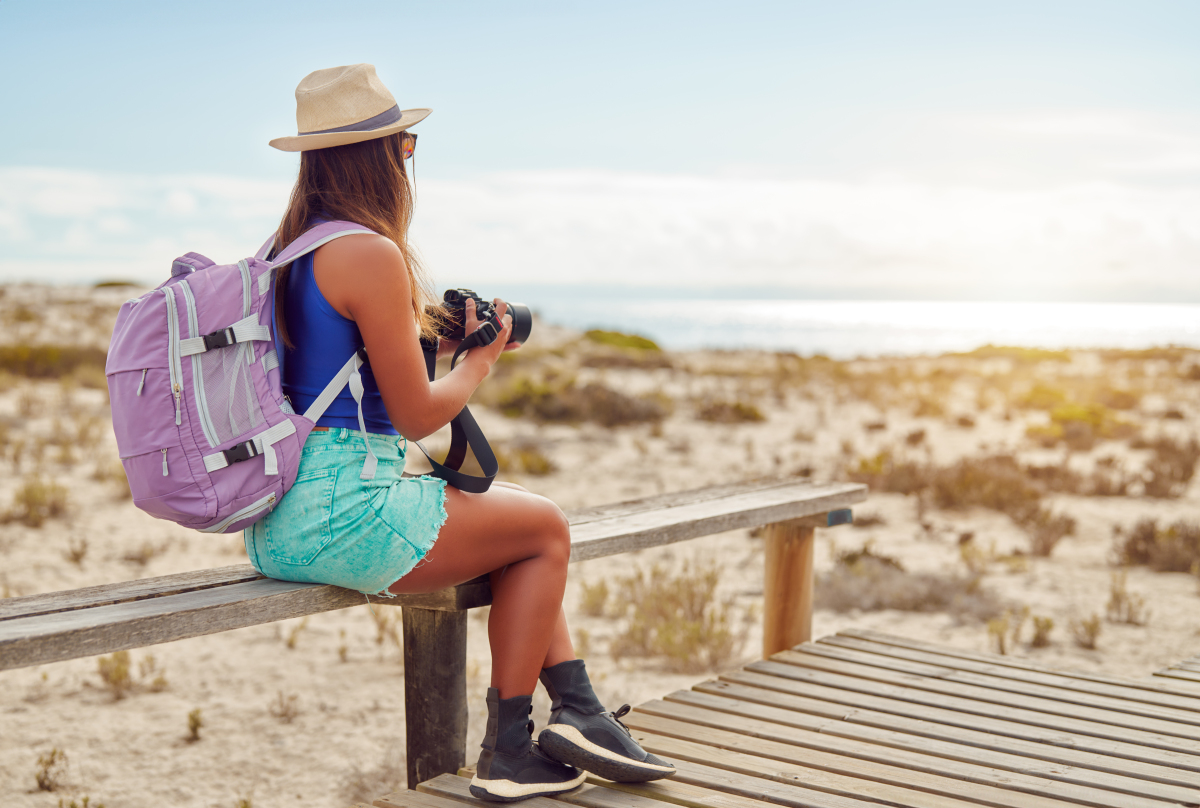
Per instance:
x=863, y=580
x=1005, y=630
x=1123, y=605
x=145, y=553
x=1085, y=632
x=997, y=482
x=729, y=412
x=1042, y=626
x=885, y=472
x=36, y=501
x=51, y=770
x=1171, y=467
x=1046, y=529
x=677, y=618
x=558, y=400
x=593, y=598
x=76, y=551
x=194, y=723
x=115, y=674
x=1175, y=548
x=524, y=458
x=1043, y=397
x=869, y=519
x=285, y=708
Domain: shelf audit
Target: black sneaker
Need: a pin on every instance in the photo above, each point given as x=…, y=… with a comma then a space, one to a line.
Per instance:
x=511, y=766
x=582, y=733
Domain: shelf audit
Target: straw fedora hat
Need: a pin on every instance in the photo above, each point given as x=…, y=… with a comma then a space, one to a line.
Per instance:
x=341, y=105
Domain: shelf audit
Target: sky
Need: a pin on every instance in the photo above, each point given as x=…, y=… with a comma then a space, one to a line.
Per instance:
x=850, y=149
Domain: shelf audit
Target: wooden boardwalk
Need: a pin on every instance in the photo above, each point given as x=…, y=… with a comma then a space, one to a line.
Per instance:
x=864, y=719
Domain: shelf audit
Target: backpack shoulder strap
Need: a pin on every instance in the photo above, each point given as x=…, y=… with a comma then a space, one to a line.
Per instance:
x=311, y=239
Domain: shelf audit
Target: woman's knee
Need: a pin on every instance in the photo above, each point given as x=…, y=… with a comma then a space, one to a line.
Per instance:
x=556, y=531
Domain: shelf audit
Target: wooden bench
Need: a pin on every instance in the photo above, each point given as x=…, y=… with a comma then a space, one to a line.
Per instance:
x=64, y=625
x=863, y=719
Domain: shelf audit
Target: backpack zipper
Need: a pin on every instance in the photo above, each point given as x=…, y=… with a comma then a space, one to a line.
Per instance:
x=210, y=433
x=266, y=503
x=174, y=363
x=164, y=452
x=142, y=383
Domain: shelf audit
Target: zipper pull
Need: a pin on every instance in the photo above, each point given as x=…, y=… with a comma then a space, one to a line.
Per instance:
x=178, y=420
x=164, y=451
x=142, y=383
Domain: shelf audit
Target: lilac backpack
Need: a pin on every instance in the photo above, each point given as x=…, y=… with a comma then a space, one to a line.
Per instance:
x=207, y=438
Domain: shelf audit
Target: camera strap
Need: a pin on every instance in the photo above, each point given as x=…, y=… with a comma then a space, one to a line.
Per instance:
x=464, y=430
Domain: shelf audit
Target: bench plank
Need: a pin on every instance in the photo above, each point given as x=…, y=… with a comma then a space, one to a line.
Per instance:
x=1149, y=684
x=881, y=765
x=135, y=624
x=141, y=589
x=985, y=733
x=781, y=782
x=637, y=531
x=1120, y=725
x=1183, y=722
x=798, y=681
x=905, y=739
x=1129, y=690
x=40, y=628
x=917, y=692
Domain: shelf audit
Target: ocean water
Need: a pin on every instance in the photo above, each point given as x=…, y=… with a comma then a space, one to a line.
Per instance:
x=845, y=329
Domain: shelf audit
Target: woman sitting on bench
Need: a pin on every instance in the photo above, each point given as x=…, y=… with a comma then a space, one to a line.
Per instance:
x=392, y=534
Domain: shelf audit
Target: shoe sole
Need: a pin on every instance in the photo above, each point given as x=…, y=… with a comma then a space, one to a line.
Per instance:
x=567, y=745
x=509, y=791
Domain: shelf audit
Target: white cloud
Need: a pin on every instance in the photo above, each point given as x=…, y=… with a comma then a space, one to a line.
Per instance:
x=630, y=229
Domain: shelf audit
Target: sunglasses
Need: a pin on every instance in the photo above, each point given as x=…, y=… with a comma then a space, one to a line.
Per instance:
x=408, y=144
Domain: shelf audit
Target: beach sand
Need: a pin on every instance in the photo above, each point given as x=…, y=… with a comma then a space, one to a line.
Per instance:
x=310, y=712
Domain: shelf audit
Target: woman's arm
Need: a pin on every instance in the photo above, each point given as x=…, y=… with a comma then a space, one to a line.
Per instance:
x=365, y=279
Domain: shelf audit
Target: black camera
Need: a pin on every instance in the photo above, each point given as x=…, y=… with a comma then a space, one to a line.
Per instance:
x=455, y=303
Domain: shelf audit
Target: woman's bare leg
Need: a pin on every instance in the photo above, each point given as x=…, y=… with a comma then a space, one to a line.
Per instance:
x=524, y=541
x=561, y=647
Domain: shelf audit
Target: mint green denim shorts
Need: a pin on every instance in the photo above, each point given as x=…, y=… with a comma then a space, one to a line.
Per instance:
x=334, y=528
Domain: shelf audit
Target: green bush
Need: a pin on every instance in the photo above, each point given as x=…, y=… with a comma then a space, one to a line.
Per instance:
x=729, y=412
x=616, y=339
x=49, y=361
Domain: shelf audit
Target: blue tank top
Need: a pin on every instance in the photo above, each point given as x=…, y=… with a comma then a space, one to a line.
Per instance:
x=324, y=340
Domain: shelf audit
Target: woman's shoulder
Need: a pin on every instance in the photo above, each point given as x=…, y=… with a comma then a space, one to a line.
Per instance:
x=353, y=270
x=362, y=249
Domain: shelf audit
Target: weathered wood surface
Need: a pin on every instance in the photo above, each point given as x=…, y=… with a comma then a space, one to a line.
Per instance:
x=135, y=624
x=780, y=732
x=126, y=591
x=779, y=502
x=1148, y=683
x=787, y=585
x=435, y=691
x=62, y=625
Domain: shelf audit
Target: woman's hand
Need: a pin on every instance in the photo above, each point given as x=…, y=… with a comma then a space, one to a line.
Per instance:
x=489, y=353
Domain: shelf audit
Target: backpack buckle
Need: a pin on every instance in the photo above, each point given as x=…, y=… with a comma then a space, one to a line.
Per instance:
x=243, y=451
x=219, y=339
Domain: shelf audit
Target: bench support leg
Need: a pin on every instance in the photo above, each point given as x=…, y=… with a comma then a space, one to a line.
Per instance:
x=787, y=586
x=435, y=692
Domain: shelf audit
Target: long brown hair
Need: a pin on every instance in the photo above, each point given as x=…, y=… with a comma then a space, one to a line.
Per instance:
x=364, y=183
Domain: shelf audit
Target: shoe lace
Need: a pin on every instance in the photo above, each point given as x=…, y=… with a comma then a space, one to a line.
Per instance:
x=618, y=715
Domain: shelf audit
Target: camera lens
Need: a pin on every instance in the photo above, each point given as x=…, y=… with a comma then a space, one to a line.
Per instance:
x=522, y=322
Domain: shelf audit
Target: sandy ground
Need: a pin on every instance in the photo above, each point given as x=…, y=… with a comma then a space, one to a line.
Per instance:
x=310, y=712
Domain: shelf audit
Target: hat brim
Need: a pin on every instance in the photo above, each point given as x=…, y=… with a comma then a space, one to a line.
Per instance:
x=296, y=143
